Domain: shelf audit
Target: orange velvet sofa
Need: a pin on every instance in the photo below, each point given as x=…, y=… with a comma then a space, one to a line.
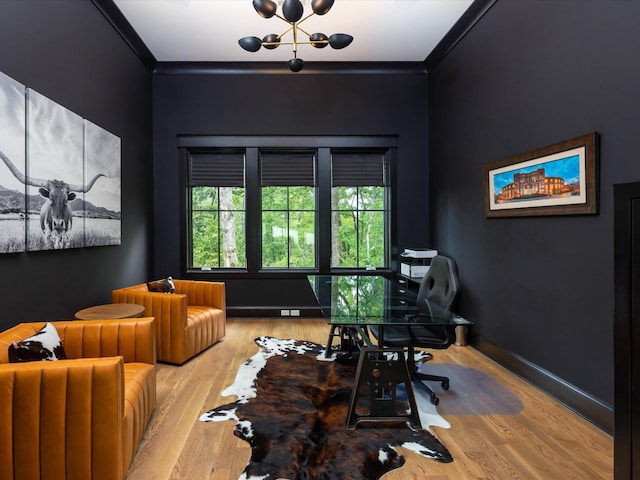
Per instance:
x=83, y=417
x=187, y=322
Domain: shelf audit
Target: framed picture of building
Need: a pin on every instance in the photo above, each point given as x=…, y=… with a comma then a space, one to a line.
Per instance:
x=559, y=179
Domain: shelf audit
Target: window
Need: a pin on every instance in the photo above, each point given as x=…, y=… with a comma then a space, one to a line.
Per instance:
x=288, y=209
x=264, y=205
x=217, y=210
x=359, y=210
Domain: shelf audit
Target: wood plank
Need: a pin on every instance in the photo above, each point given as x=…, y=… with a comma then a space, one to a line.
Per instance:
x=542, y=440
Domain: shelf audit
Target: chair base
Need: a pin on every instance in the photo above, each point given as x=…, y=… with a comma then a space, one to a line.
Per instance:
x=444, y=382
x=416, y=375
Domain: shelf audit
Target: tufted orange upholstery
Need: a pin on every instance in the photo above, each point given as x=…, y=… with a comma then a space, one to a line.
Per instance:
x=80, y=418
x=188, y=321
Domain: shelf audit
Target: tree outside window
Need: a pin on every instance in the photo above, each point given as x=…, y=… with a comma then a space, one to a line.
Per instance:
x=288, y=227
x=218, y=212
x=359, y=210
x=288, y=209
x=317, y=209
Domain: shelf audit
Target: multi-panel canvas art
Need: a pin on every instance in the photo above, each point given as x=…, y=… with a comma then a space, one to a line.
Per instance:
x=103, y=197
x=60, y=179
x=12, y=149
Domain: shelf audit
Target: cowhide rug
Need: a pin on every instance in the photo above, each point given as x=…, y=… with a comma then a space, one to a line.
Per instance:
x=291, y=408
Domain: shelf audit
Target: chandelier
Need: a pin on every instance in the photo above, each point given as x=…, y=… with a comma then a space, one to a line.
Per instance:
x=292, y=13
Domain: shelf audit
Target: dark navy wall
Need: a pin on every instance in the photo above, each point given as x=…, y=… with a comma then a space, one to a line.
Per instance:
x=287, y=104
x=68, y=51
x=527, y=75
x=530, y=74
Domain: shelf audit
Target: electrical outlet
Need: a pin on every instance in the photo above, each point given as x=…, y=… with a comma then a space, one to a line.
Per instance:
x=295, y=313
x=284, y=313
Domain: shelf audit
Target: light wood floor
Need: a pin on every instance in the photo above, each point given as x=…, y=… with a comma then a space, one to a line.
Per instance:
x=543, y=441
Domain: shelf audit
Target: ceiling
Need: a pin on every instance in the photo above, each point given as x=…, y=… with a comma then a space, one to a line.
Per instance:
x=208, y=30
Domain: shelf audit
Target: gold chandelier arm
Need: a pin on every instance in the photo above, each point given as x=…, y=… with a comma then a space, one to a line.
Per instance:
x=326, y=42
x=297, y=43
x=304, y=31
x=300, y=21
x=285, y=32
x=281, y=18
x=275, y=44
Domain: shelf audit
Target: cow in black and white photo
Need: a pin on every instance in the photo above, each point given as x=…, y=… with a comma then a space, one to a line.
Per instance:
x=56, y=217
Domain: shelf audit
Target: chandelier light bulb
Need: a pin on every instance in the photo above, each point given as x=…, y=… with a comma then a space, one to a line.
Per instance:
x=292, y=10
x=271, y=41
x=320, y=7
x=265, y=8
x=250, y=44
x=319, y=40
x=295, y=64
x=340, y=40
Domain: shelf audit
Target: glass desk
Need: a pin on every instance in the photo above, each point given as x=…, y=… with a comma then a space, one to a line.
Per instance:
x=353, y=303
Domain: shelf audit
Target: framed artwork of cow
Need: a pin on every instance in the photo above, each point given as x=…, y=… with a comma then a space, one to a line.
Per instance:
x=69, y=178
x=12, y=146
x=103, y=200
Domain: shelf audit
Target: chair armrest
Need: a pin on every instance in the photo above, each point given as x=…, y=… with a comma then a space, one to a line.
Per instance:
x=132, y=338
x=170, y=310
x=60, y=416
x=210, y=294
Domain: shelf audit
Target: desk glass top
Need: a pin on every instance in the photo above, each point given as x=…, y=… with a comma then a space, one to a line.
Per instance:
x=375, y=300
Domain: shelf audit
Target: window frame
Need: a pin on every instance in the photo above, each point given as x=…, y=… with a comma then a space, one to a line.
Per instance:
x=188, y=209
x=365, y=176
x=323, y=145
x=300, y=178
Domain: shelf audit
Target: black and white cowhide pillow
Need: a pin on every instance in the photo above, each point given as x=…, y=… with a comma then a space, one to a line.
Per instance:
x=165, y=285
x=44, y=345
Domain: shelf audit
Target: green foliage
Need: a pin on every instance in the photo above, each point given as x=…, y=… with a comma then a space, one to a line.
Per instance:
x=360, y=214
x=218, y=237
x=218, y=230
x=288, y=227
x=359, y=296
x=205, y=239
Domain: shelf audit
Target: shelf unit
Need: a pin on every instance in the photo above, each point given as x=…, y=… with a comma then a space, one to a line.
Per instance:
x=415, y=262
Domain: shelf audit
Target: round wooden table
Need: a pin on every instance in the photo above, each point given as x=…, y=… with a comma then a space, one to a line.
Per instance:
x=110, y=310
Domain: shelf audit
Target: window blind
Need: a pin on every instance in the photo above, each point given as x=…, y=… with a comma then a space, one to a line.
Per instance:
x=284, y=169
x=351, y=169
x=216, y=169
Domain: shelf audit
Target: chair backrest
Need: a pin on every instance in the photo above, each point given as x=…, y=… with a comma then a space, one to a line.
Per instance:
x=441, y=283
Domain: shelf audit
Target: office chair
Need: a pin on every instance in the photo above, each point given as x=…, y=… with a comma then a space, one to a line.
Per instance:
x=438, y=289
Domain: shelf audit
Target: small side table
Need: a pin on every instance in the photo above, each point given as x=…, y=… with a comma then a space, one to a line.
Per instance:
x=110, y=310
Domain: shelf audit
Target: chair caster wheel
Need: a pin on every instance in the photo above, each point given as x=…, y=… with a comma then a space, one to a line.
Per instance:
x=435, y=400
x=445, y=385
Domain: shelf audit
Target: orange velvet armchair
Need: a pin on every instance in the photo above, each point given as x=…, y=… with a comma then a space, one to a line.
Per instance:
x=187, y=322
x=82, y=417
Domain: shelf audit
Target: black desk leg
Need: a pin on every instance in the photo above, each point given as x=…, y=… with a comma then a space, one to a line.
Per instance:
x=347, y=340
x=380, y=371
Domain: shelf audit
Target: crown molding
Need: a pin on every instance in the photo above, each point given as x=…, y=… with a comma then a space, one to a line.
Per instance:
x=280, y=68
x=118, y=21
x=464, y=24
